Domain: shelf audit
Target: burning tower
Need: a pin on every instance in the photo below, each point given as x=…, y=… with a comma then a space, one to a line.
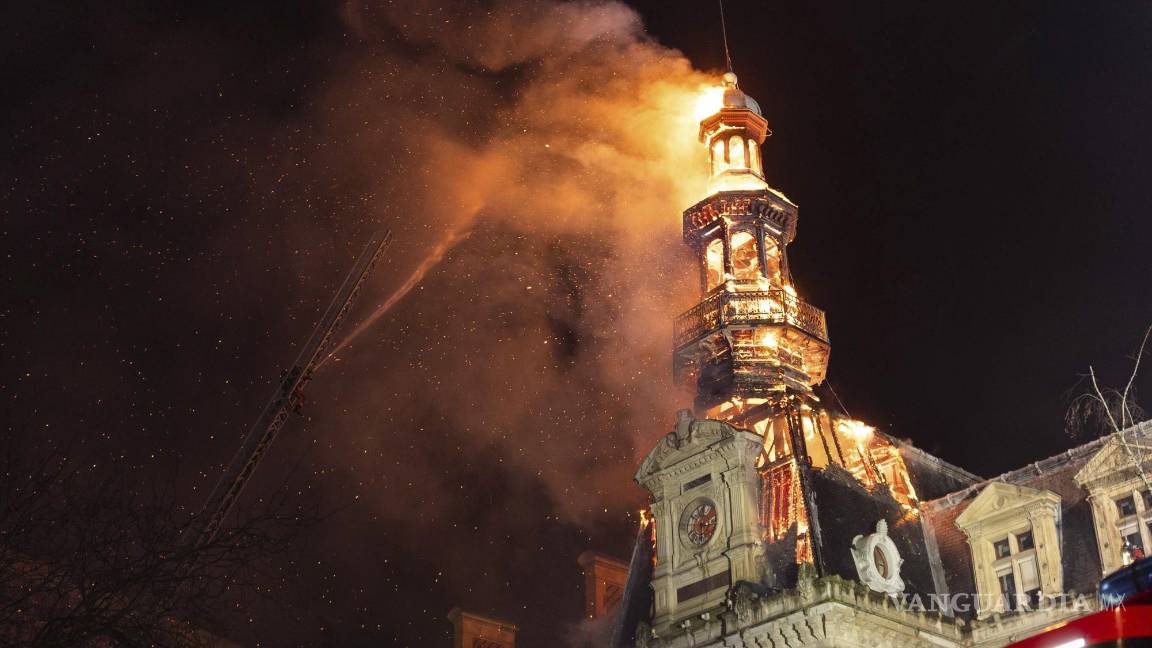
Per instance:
x=778, y=520
x=737, y=488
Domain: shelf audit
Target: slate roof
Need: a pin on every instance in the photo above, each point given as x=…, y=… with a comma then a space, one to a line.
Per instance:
x=1055, y=474
x=636, y=603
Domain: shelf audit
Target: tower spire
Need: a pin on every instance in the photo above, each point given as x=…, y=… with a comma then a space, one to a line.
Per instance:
x=724, y=31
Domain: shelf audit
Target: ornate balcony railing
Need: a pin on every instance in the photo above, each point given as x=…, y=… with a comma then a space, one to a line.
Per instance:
x=773, y=306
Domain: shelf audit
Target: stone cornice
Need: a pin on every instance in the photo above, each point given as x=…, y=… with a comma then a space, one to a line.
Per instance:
x=999, y=504
x=686, y=443
x=813, y=614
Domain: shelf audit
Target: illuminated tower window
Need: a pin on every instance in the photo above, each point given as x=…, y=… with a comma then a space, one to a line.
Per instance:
x=736, y=157
x=745, y=259
x=714, y=264
x=719, y=157
x=772, y=262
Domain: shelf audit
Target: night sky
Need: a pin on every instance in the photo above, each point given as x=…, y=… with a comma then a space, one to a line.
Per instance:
x=184, y=185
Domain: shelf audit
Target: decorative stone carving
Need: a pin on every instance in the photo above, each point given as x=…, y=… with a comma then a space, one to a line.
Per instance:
x=682, y=433
x=878, y=561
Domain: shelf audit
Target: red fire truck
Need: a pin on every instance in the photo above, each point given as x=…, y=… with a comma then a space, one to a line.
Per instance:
x=1126, y=619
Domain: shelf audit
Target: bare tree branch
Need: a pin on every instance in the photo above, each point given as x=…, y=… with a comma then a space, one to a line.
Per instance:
x=1113, y=412
x=89, y=560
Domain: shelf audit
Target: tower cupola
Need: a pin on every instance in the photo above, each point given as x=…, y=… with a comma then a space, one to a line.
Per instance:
x=733, y=135
x=752, y=336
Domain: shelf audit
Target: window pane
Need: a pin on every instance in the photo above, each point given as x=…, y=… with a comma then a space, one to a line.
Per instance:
x=1024, y=541
x=1147, y=500
x=1126, y=506
x=754, y=158
x=714, y=258
x=1133, y=543
x=745, y=259
x=719, y=164
x=736, y=157
x=1008, y=590
x=772, y=255
x=1029, y=576
x=1002, y=548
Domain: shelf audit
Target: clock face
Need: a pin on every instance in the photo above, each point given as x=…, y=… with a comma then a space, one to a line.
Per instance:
x=701, y=524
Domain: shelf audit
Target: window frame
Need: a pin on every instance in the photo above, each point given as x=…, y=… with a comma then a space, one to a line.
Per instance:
x=1127, y=497
x=1010, y=564
x=1138, y=523
x=1002, y=510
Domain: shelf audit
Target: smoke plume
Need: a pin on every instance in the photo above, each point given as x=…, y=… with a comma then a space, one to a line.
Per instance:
x=192, y=182
x=571, y=137
x=505, y=385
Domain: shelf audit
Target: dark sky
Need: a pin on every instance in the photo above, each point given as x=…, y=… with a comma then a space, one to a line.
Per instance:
x=184, y=184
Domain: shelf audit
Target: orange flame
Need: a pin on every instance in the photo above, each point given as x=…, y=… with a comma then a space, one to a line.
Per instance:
x=709, y=101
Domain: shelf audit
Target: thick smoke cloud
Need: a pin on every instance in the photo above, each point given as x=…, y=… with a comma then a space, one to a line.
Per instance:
x=185, y=183
x=546, y=150
x=191, y=185
x=564, y=141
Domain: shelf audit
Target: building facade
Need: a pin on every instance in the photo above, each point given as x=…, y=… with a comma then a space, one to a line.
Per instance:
x=776, y=519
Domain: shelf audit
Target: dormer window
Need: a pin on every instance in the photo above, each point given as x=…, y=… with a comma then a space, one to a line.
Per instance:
x=1121, y=504
x=1133, y=524
x=1012, y=531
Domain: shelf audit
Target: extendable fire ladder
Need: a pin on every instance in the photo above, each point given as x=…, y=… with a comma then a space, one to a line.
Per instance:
x=287, y=398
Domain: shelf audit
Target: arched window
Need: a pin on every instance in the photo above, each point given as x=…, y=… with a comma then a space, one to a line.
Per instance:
x=736, y=152
x=754, y=158
x=719, y=163
x=772, y=262
x=745, y=260
x=714, y=261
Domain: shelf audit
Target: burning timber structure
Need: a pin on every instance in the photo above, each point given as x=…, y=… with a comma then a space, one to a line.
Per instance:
x=777, y=520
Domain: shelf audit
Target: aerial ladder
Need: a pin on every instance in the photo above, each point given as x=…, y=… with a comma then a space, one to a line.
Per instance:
x=288, y=397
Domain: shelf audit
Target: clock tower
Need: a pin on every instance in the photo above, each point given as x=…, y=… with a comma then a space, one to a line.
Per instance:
x=733, y=487
x=705, y=503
